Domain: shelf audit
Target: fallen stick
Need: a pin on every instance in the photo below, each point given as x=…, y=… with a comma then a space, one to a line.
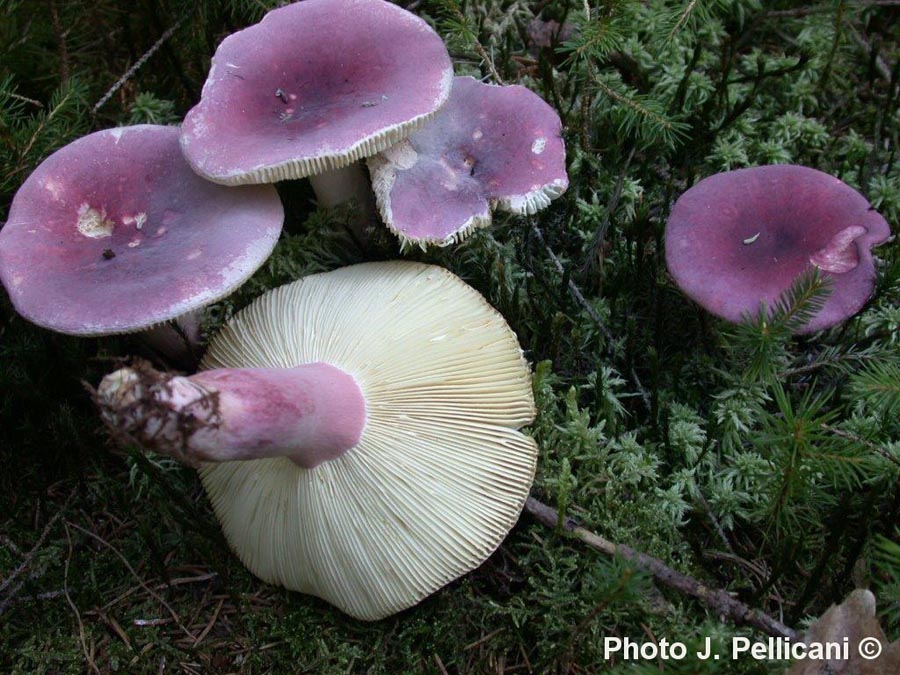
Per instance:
x=573, y=287
x=716, y=599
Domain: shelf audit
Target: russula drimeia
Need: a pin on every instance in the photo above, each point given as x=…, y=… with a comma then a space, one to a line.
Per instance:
x=312, y=88
x=739, y=239
x=356, y=431
x=488, y=147
x=114, y=233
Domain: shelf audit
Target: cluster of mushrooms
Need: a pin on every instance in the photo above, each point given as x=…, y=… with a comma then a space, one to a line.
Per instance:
x=358, y=431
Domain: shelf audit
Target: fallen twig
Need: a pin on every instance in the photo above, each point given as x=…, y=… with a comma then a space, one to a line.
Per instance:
x=140, y=581
x=209, y=626
x=88, y=653
x=483, y=639
x=573, y=288
x=716, y=599
x=137, y=64
x=440, y=665
x=12, y=595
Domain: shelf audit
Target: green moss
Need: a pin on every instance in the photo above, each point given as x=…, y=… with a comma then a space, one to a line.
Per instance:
x=741, y=456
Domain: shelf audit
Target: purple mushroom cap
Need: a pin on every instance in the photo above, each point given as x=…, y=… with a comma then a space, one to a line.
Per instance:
x=742, y=238
x=489, y=147
x=114, y=233
x=315, y=86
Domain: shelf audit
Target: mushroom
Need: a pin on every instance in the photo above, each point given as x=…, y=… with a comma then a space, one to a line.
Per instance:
x=356, y=431
x=741, y=238
x=489, y=147
x=311, y=89
x=114, y=233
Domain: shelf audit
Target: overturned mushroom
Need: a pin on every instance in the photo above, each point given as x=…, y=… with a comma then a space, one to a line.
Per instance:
x=114, y=234
x=377, y=410
x=742, y=238
x=489, y=147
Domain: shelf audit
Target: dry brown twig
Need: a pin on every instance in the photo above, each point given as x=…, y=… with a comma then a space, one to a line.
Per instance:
x=137, y=64
x=440, y=665
x=573, y=287
x=137, y=577
x=209, y=626
x=717, y=599
x=88, y=657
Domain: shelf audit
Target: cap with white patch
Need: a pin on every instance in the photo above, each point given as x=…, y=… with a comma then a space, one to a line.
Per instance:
x=114, y=233
x=489, y=147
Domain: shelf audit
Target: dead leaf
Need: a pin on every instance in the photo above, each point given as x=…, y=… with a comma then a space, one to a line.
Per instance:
x=855, y=620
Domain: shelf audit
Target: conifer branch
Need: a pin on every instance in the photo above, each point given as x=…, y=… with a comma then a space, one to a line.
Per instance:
x=879, y=385
x=862, y=441
x=25, y=99
x=633, y=105
x=685, y=15
x=833, y=357
x=657, y=125
x=67, y=96
x=464, y=27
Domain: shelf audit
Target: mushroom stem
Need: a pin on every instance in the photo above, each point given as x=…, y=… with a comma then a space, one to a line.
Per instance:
x=310, y=414
x=349, y=184
x=341, y=185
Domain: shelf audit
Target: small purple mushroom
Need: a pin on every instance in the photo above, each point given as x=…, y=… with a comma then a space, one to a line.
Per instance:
x=489, y=147
x=742, y=238
x=114, y=233
x=314, y=87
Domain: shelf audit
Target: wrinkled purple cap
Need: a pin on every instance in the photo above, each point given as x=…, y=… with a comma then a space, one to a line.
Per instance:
x=315, y=86
x=741, y=238
x=114, y=233
x=489, y=147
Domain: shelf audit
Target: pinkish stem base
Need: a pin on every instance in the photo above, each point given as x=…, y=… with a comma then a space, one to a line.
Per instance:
x=309, y=414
